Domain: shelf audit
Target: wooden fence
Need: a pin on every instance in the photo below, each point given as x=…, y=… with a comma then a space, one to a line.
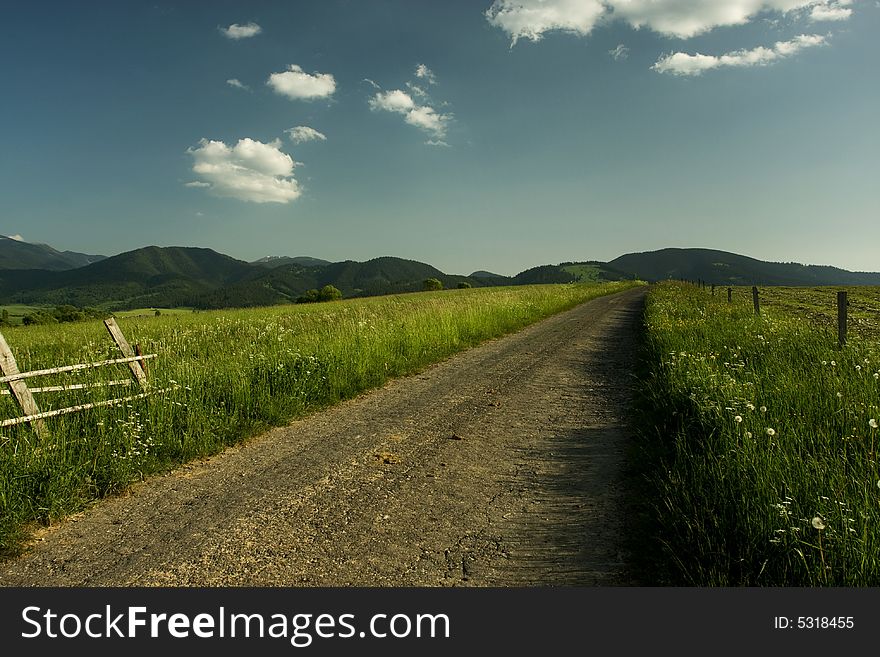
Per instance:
x=23, y=394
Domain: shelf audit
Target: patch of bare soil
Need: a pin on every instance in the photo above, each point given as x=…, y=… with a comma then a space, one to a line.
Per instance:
x=501, y=466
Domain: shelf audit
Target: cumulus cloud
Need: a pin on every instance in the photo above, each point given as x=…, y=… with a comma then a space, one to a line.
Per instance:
x=681, y=63
x=424, y=117
x=249, y=171
x=236, y=31
x=619, y=52
x=238, y=84
x=831, y=11
x=678, y=18
x=529, y=19
x=426, y=74
x=299, y=85
x=303, y=133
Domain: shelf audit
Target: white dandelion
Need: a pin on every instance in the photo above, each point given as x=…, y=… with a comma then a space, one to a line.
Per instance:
x=872, y=423
x=818, y=523
x=771, y=431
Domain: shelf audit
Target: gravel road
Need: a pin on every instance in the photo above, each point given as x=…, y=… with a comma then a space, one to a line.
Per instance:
x=501, y=466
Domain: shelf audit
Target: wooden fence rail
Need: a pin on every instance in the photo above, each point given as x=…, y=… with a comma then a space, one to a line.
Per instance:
x=23, y=395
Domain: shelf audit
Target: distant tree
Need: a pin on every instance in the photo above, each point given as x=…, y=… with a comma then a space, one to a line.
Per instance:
x=4, y=318
x=464, y=285
x=311, y=296
x=329, y=293
x=157, y=313
x=433, y=284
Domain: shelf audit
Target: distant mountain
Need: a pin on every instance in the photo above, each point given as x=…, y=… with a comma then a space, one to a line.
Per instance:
x=486, y=274
x=15, y=254
x=386, y=275
x=723, y=268
x=151, y=276
x=280, y=261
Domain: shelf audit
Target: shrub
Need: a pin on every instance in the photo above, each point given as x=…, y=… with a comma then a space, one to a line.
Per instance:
x=433, y=284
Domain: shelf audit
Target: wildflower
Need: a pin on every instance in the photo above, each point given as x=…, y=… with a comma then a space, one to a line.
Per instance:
x=824, y=362
x=750, y=406
x=771, y=431
x=876, y=375
x=738, y=419
x=833, y=364
x=840, y=395
x=818, y=523
x=858, y=368
x=763, y=409
x=749, y=435
x=872, y=423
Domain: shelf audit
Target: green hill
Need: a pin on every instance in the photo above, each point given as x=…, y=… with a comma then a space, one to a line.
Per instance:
x=281, y=261
x=15, y=254
x=723, y=268
x=151, y=277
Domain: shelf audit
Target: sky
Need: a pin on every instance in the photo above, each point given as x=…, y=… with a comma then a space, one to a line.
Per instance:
x=469, y=134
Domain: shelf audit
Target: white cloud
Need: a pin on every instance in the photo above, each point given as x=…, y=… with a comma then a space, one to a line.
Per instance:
x=299, y=85
x=238, y=84
x=249, y=171
x=529, y=19
x=426, y=74
x=830, y=11
x=680, y=63
x=16, y=237
x=393, y=101
x=619, y=52
x=678, y=18
x=196, y=183
x=303, y=133
x=417, y=90
x=437, y=142
x=236, y=31
x=371, y=83
x=424, y=117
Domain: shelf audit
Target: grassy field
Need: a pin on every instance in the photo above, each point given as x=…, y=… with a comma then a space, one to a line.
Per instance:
x=237, y=372
x=18, y=311
x=760, y=438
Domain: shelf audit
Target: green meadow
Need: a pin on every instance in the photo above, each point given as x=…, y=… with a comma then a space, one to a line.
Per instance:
x=759, y=439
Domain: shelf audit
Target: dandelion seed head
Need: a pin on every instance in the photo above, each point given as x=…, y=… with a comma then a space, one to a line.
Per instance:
x=818, y=523
x=748, y=434
x=771, y=431
x=872, y=423
x=737, y=418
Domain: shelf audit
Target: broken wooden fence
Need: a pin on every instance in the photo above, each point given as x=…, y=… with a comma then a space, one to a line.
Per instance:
x=22, y=394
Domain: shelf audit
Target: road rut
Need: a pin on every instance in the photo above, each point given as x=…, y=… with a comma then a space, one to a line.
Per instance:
x=501, y=466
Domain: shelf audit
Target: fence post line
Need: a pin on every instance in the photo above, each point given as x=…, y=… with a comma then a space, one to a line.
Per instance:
x=841, y=318
x=755, y=300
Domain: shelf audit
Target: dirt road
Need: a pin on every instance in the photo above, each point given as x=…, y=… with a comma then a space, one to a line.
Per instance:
x=498, y=467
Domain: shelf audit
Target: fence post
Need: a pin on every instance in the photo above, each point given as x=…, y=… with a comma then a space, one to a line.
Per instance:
x=116, y=333
x=755, y=300
x=713, y=289
x=729, y=294
x=841, y=318
x=19, y=389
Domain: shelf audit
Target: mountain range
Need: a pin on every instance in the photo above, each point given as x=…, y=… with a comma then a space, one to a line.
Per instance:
x=37, y=274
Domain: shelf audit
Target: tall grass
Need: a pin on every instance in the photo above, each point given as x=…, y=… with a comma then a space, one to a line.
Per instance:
x=759, y=445
x=237, y=373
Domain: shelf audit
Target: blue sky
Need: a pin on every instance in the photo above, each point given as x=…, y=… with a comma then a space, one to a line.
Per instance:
x=467, y=134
